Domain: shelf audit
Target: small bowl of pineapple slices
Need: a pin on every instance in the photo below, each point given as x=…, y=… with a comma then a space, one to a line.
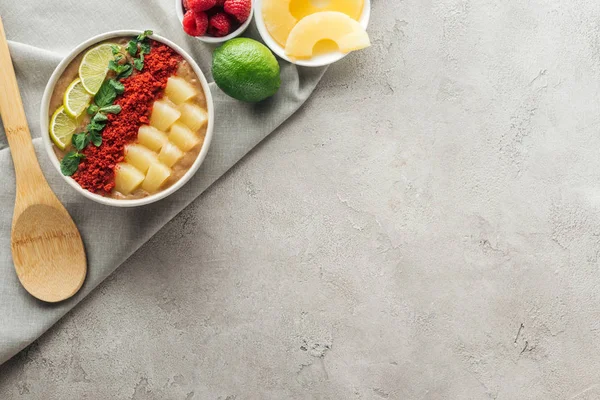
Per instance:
x=128, y=117
x=311, y=35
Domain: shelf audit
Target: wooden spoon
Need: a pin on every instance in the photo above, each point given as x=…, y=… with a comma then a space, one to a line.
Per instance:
x=46, y=246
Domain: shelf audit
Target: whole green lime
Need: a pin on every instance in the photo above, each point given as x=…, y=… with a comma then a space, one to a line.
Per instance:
x=246, y=70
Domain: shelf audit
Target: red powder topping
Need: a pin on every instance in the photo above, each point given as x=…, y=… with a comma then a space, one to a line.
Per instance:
x=96, y=172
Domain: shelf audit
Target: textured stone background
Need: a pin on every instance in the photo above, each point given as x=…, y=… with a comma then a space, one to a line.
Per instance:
x=426, y=227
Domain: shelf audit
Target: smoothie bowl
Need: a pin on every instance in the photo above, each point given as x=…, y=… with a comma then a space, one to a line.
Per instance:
x=127, y=118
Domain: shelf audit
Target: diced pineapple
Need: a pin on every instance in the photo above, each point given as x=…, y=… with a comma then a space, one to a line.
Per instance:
x=183, y=137
x=281, y=16
x=152, y=138
x=140, y=156
x=163, y=115
x=193, y=116
x=170, y=154
x=178, y=90
x=327, y=25
x=156, y=176
x=127, y=178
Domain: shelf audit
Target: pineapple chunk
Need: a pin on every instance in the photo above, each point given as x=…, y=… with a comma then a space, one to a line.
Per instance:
x=163, y=115
x=327, y=25
x=170, y=154
x=127, y=178
x=193, y=116
x=152, y=138
x=178, y=90
x=281, y=16
x=156, y=176
x=140, y=156
x=183, y=137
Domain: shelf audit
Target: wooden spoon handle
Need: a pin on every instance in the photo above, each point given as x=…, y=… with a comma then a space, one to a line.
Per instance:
x=27, y=168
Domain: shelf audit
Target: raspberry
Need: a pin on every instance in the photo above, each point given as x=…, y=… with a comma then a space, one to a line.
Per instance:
x=202, y=22
x=185, y=5
x=219, y=25
x=201, y=5
x=195, y=23
x=220, y=3
x=240, y=9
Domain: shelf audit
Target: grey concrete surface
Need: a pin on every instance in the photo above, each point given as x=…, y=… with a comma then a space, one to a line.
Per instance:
x=426, y=227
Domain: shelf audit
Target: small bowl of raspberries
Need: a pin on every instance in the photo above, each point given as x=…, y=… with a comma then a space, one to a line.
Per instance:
x=214, y=21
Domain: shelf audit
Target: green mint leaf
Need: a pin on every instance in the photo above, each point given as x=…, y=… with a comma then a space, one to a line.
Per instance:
x=114, y=109
x=118, y=86
x=96, y=138
x=70, y=163
x=80, y=140
x=125, y=71
x=115, y=49
x=106, y=95
x=119, y=57
x=122, y=70
x=114, y=66
x=144, y=48
x=141, y=37
x=138, y=63
x=132, y=48
x=92, y=109
x=95, y=125
x=99, y=117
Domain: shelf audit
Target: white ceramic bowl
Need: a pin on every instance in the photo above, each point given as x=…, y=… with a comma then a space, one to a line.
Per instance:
x=44, y=121
x=212, y=39
x=318, y=61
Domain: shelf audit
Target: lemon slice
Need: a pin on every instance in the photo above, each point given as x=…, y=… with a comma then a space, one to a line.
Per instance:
x=62, y=128
x=94, y=66
x=76, y=99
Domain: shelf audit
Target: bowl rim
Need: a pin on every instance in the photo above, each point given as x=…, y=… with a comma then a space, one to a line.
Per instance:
x=45, y=121
x=212, y=39
x=319, y=61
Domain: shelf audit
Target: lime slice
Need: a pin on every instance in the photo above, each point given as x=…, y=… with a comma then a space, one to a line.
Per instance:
x=76, y=99
x=94, y=66
x=62, y=128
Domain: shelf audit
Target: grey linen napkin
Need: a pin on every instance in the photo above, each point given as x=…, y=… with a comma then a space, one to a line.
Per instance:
x=40, y=33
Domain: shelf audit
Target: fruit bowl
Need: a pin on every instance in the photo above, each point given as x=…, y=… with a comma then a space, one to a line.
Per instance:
x=212, y=39
x=316, y=61
x=195, y=159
